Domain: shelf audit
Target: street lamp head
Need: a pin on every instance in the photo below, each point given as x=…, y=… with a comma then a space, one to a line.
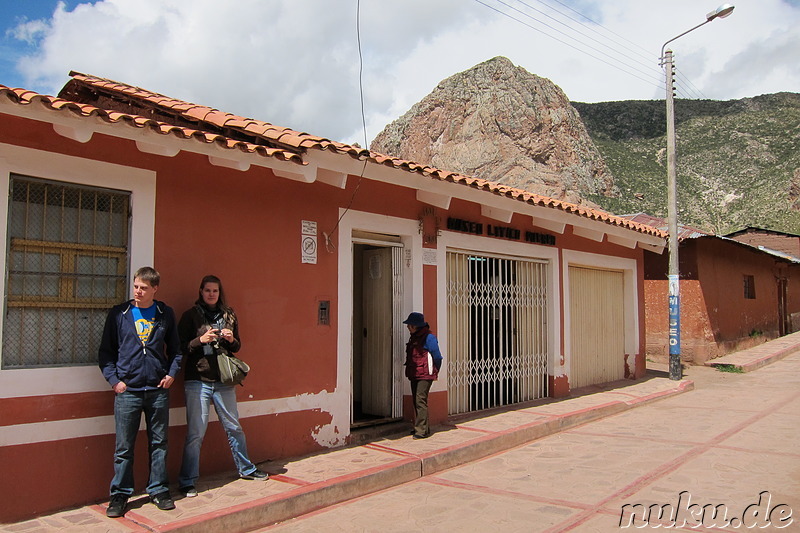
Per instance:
x=720, y=13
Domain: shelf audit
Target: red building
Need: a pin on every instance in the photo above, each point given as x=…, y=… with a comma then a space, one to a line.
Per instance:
x=323, y=248
x=734, y=295
x=788, y=243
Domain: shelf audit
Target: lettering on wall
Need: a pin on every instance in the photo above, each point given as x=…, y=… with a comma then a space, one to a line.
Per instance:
x=429, y=225
x=502, y=232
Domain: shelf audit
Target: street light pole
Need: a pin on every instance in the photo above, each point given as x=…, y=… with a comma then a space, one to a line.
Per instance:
x=673, y=276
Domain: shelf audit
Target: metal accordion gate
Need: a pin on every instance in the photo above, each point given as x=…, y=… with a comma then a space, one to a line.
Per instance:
x=497, y=331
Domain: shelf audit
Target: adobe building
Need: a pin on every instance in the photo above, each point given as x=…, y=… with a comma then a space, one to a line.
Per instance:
x=734, y=295
x=788, y=243
x=323, y=248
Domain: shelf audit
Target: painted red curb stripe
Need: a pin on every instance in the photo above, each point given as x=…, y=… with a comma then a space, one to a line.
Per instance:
x=434, y=480
x=311, y=487
x=387, y=449
x=124, y=521
x=290, y=480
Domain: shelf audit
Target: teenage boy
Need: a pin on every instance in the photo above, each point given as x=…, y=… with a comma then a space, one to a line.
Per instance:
x=140, y=357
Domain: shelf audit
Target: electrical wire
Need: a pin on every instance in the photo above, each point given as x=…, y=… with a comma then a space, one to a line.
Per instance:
x=644, y=52
x=610, y=53
x=560, y=40
x=646, y=63
x=693, y=91
x=329, y=246
x=691, y=87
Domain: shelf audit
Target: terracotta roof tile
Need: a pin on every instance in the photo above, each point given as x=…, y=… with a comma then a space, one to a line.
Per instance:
x=25, y=97
x=301, y=142
x=256, y=128
x=240, y=123
x=196, y=112
x=684, y=231
x=218, y=118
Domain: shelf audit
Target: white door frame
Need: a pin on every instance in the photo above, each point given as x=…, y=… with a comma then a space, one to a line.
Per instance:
x=411, y=265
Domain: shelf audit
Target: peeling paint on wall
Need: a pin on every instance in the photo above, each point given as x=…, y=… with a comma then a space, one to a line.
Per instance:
x=335, y=405
x=328, y=436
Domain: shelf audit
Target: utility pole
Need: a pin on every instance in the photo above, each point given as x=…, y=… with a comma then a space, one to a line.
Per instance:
x=673, y=276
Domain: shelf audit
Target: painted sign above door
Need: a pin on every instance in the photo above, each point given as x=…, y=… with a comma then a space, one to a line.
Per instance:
x=502, y=232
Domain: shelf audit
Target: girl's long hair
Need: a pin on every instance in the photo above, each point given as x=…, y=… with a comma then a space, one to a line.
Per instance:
x=221, y=304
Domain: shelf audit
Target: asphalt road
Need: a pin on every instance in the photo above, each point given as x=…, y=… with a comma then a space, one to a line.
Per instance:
x=725, y=456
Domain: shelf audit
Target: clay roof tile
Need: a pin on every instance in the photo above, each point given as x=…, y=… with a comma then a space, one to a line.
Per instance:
x=197, y=112
x=305, y=141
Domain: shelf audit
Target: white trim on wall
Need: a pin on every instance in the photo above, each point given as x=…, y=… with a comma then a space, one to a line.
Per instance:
x=408, y=230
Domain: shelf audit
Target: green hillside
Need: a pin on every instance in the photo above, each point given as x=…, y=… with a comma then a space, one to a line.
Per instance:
x=738, y=160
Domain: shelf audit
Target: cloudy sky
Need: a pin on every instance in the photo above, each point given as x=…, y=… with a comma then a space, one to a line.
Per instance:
x=297, y=63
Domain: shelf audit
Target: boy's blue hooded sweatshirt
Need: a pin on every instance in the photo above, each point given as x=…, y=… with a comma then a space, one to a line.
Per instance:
x=123, y=356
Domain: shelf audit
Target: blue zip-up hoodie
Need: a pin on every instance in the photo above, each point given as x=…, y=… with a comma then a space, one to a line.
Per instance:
x=124, y=358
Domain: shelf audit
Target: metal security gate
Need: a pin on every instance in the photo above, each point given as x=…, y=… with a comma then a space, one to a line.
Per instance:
x=497, y=331
x=597, y=326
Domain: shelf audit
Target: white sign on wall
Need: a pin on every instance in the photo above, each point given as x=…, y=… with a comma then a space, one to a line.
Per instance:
x=429, y=256
x=308, y=242
x=309, y=227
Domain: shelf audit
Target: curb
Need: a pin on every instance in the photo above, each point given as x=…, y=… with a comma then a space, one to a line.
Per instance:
x=755, y=364
x=266, y=511
x=408, y=467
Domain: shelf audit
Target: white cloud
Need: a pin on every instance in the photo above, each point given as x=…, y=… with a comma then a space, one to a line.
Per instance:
x=295, y=63
x=29, y=31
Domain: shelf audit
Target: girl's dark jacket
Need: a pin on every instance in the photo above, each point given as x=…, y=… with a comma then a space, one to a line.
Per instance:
x=124, y=358
x=198, y=365
x=423, y=357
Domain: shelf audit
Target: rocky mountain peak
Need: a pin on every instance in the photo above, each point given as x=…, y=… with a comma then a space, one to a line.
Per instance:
x=499, y=122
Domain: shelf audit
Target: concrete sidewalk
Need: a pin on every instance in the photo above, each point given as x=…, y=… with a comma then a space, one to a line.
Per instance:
x=758, y=356
x=301, y=485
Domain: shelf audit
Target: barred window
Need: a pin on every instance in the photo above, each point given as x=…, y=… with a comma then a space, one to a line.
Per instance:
x=749, y=287
x=67, y=264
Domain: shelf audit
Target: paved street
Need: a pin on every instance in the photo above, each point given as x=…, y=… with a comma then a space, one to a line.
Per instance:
x=734, y=440
x=568, y=464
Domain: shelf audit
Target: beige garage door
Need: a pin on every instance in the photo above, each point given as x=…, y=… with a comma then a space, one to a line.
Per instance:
x=597, y=328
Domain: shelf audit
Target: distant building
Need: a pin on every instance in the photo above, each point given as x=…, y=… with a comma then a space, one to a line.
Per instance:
x=788, y=243
x=733, y=295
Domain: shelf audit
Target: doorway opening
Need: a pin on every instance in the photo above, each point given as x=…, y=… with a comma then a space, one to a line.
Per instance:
x=377, y=342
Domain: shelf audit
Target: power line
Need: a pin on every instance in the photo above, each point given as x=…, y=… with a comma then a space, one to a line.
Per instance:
x=329, y=246
x=693, y=91
x=644, y=52
x=647, y=62
x=609, y=54
x=569, y=36
x=691, y=86
x=602, y=60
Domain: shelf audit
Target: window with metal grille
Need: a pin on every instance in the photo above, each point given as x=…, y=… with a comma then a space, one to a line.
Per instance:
x=749, y=287
x=67, y=264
